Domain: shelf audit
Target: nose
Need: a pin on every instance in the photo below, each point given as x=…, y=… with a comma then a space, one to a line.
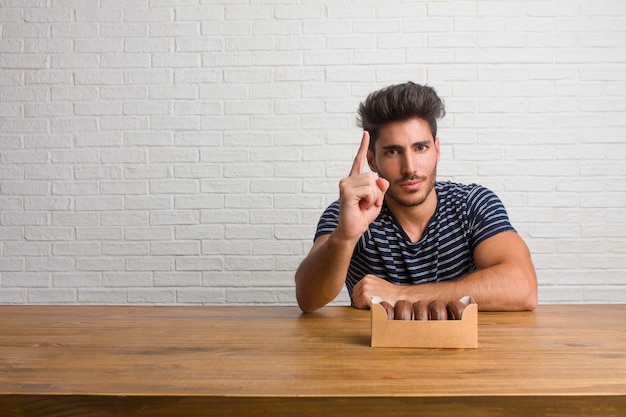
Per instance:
x=408, y=165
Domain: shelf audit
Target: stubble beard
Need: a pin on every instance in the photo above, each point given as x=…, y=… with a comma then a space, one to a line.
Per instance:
x=413, y=198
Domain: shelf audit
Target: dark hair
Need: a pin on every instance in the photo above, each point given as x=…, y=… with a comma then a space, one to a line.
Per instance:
x=397, y=103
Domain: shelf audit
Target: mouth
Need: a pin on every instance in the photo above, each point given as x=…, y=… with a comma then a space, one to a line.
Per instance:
x=411, y=185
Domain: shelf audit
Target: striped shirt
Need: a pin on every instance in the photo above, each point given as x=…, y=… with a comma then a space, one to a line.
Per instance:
x=465, y=216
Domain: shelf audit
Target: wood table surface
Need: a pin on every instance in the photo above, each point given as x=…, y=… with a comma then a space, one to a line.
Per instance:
x=559, y=360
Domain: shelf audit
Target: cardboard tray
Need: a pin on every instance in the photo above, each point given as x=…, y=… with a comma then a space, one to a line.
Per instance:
x=425, y=334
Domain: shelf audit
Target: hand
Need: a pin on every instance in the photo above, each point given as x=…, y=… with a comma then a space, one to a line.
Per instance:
x=369, y=286
x=361, y=196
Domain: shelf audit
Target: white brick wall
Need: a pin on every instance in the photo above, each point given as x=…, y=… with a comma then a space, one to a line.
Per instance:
x=180, y=152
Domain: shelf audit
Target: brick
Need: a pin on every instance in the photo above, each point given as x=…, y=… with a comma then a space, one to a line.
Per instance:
x=251, y=296
x=201, y=295
x=102, y=296
x=138, y=15
x=175, y=248
x=275, y=217
x=124, y=218
x=100, y=264
x=200, y=263
x=125, y=249
x=248, y=201
x=47, y=15
x=21, y=31
x=178, y=60
x=227, y=28
x=151, y=263
x=123, y=60
x=198, y=202
x=175, y=123
x=152, y=296
x=607, y=294
x=147, y=233
x=177, y=280
x=227, y=247
x=180, y=155
x=75, y=219
x=99, y=203
x=127, y=279
x=52, y=296
x=248, y=107
x=10, y=265
x=99, y=233
x=248, y=12
x=248, y=231
x=123, y=30
x=210, y=232
x=141, y=202
x=175, y=217
x=75, y=280
x=224, y=216
x=177, y=186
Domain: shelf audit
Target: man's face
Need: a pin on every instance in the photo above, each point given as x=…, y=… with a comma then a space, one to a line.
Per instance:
x=406, y=155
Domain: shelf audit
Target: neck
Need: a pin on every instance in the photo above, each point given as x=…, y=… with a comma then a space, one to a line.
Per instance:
x=414, y=219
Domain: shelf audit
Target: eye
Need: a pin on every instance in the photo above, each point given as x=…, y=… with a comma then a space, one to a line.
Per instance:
x=392, y=151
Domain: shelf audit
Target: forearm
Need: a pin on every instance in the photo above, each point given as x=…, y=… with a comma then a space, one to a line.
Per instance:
x=498, y=288
x=502, y=287
x=321, y=275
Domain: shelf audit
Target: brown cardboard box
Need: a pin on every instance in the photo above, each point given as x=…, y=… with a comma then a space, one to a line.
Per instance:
x=425, y=334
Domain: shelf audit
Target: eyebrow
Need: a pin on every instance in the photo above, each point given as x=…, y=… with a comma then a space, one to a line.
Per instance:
x=418, y=143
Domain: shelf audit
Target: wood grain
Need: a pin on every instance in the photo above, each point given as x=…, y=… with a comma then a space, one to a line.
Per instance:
x=109, y=360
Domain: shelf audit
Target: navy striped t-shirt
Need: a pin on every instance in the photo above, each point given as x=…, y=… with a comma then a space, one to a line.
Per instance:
x=465, y=216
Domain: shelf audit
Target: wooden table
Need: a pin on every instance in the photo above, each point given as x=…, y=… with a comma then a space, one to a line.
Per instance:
x=561, y=360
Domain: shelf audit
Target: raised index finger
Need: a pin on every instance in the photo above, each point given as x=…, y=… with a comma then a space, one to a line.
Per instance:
x=361, y=156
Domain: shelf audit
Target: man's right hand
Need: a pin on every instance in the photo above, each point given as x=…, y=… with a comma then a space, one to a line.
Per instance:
x=361, y=196
x=322, y=274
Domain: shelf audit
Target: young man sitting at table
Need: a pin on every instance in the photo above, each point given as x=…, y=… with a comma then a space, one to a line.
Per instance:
x=400, y=234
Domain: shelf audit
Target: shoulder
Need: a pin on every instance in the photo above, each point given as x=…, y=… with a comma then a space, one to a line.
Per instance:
x=328, y=220
x=464, y=193
x=332, y=209
x=455, y=189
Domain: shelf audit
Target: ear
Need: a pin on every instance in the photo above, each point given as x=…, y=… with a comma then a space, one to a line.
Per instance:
x=371, y=160
x=438, y=148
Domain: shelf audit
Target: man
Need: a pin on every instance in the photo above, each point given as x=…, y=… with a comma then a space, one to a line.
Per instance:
x=402, y=235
